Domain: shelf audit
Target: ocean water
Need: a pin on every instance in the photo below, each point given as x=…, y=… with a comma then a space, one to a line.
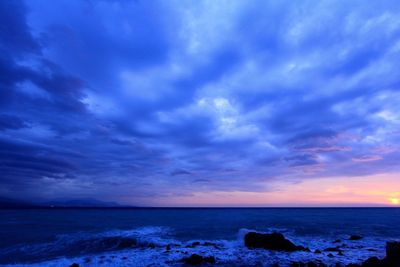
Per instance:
x=162, y=237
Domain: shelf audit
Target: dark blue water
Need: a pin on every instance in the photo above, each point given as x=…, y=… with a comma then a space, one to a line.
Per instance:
x=38, y=228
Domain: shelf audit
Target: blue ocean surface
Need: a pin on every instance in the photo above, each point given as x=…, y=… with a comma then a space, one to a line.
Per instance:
x=56, y=237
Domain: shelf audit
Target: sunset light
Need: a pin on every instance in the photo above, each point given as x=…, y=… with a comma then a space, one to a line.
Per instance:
x=395, y=201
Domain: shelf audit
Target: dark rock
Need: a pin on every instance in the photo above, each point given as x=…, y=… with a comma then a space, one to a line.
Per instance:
x=274, y=241
x=308, y=264
x=124, y=258
x=74, y=265
x=209, y=259
x=393, y=251
x=168, y=247
x=210, y=244
x=333, y=250
x=337, y=241
x=317, y=251
x=355, y=237
x=330, y=255
x=340, y=253
x=372, y=262
x=392, y=258
x=195, y=259
x=127, y=243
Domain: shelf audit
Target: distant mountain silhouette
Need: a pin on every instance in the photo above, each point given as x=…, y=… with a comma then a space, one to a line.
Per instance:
x=14, y=203
x=9, y=203
x=81, y=202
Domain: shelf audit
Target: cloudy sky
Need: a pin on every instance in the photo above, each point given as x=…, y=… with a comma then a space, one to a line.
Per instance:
x=197, y=103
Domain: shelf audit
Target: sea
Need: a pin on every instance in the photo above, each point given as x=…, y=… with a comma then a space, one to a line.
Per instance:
x=166, y=236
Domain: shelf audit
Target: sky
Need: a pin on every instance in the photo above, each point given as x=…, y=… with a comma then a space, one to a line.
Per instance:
x=201, y=103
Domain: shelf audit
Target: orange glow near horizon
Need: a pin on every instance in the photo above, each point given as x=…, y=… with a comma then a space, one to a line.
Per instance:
x=375, y=190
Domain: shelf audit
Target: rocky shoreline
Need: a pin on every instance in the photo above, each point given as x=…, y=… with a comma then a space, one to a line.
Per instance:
x=259, y=242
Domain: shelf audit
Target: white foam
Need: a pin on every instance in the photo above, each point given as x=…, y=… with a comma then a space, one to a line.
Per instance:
x=226, y=252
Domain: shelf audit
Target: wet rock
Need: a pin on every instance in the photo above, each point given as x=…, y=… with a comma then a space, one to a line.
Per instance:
x=393, y=251
x=392, y=258
x=308, y=264
x=124, y=258
x=330, y=255
x=317, y=251
x=168, y=248
x=195, y=259
x=372, y=262
x=274, y=241
x=333, y=250
x=210, y=244
x=74, y=265
x=355, y=237
x=209, y=259
x=337, y=241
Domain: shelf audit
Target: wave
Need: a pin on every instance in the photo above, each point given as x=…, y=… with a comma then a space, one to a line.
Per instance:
x=88, y=243
x=157, y=245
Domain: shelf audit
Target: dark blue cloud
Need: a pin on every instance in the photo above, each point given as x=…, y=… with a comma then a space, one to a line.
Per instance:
x=135, y=100
x=11, y=122
x=16, y=36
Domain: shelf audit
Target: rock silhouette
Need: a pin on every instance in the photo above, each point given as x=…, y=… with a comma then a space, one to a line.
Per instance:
x=274, y=241
x=195, y=259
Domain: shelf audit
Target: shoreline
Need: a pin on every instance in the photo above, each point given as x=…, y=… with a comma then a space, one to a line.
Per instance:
x=351, y=252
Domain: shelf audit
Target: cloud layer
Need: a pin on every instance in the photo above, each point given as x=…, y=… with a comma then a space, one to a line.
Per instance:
x=138, y=101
